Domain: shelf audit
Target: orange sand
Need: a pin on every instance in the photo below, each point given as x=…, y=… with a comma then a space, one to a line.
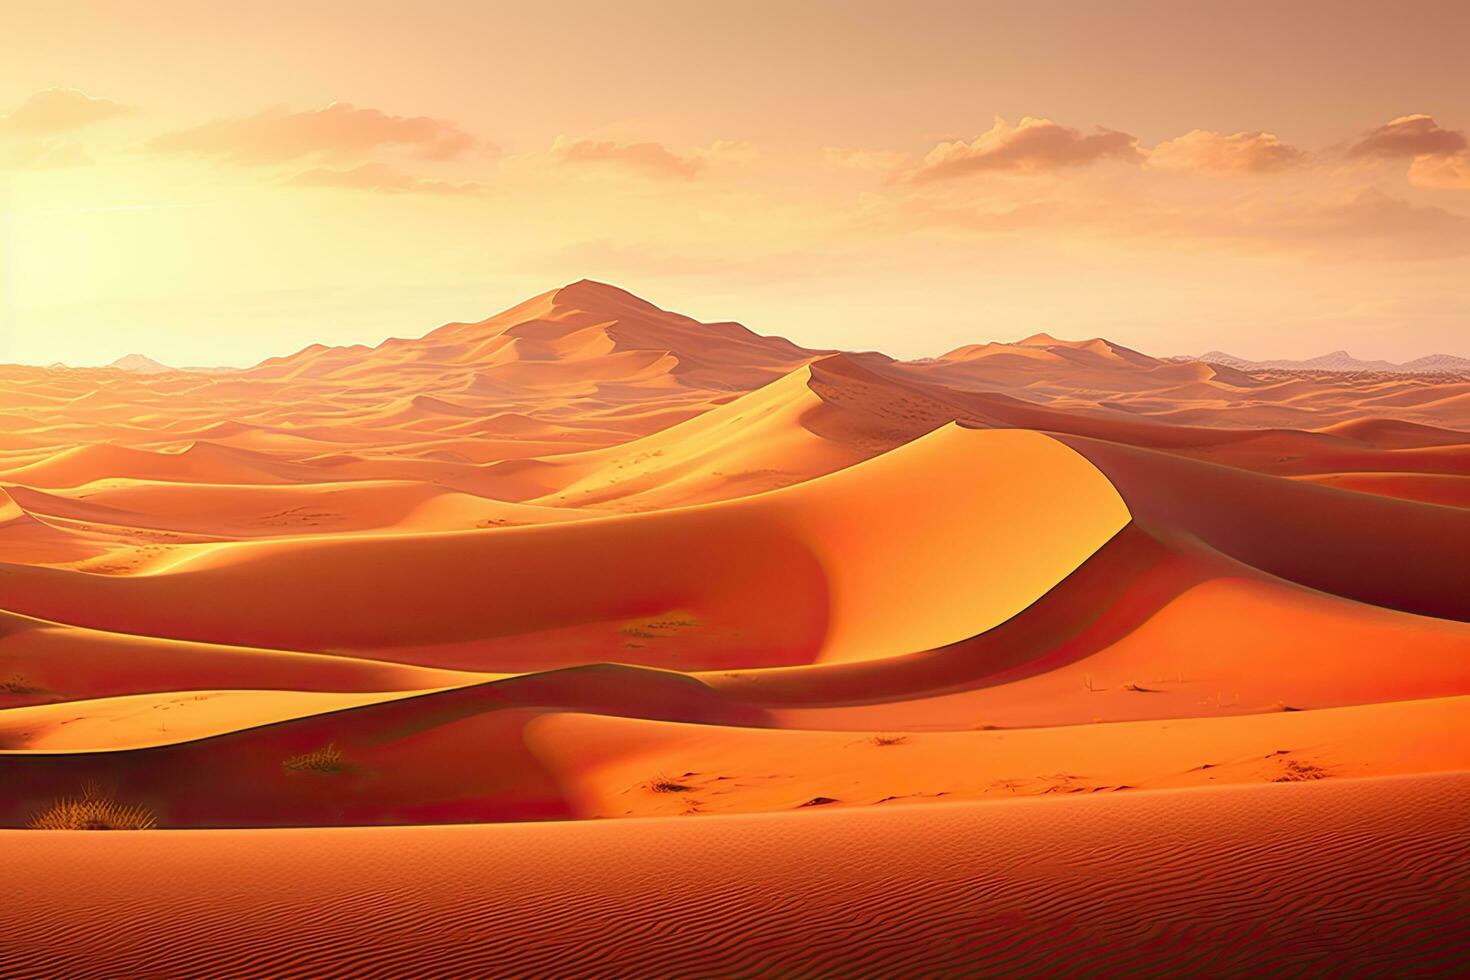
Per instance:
x=589, y=558
x=1298, y=878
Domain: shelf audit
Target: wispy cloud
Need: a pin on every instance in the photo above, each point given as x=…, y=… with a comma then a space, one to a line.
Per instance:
x=649, y=159
x=1451, y=172
x=381, y=178
x=338, y=131
x=1205, y=151
x=856, y=158
x=58, y=110
x=1409, y=136
x=1033, y=146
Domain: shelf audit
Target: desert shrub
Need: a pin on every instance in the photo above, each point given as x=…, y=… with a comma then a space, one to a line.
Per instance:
x=94, y=810
x=1294, y=771
x=17, y=684
x=663, y=784
x=326, y=759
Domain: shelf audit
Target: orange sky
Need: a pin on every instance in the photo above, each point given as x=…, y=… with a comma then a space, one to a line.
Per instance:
x=215, y=183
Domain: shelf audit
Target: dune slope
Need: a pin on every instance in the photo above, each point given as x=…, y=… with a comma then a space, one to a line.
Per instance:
x=929, y=544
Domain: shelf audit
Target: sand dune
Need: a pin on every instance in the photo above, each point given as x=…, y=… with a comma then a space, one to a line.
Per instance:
x=197, y=463
x=1141, y=630
x=1429, y=488
x=1100, y=376
x=1348, y=544
x=140, y=721
x=43, y=662
x=614, y=767
x=224, y=510
x=791, y=576
x=571, y=744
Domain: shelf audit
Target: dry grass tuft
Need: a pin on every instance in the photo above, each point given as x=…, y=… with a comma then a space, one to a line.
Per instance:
x=93, y=810
x=663, y=784
x=17, y=684
x=1294, y=771
x=327, y=759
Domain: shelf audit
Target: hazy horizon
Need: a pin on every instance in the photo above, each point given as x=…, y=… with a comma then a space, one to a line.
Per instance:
x=1060, y=335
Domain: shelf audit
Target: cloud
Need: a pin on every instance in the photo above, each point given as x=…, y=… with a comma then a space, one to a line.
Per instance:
x=58, y=110
x=649, y=159
x=1034, y=146
x=1409, y=136
x=853, y=158
x=1203, y=150
x=338, y=131
x=1439, y=157
x=735, y=151
x=1446, y=172
x=381, y=178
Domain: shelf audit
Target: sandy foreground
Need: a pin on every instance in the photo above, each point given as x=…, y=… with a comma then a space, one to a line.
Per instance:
x=1259, y=880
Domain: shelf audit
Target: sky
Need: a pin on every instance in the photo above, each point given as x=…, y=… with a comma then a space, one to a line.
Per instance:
x=215, y=183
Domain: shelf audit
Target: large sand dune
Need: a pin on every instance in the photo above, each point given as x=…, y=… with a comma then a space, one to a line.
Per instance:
x=874, y=561
x=592, y=559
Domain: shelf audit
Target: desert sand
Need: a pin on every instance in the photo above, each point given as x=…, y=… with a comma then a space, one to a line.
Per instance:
x=980, y=661
x=1247, y=880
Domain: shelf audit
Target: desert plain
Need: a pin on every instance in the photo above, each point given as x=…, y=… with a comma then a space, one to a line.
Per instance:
x=593, y=639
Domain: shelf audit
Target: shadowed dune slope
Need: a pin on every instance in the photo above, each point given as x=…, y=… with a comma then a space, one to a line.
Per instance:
x=1143, y=629
x=434, y=757
x=616, y=741
x=43, y=662
x=1428, y=488
x=1349, y=544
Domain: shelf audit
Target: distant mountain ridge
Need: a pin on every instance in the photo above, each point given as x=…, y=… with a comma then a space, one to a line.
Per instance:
x=1340, y=360
x=588, y=364
x=587, y=336
x=598, y=335
x=138, y=364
